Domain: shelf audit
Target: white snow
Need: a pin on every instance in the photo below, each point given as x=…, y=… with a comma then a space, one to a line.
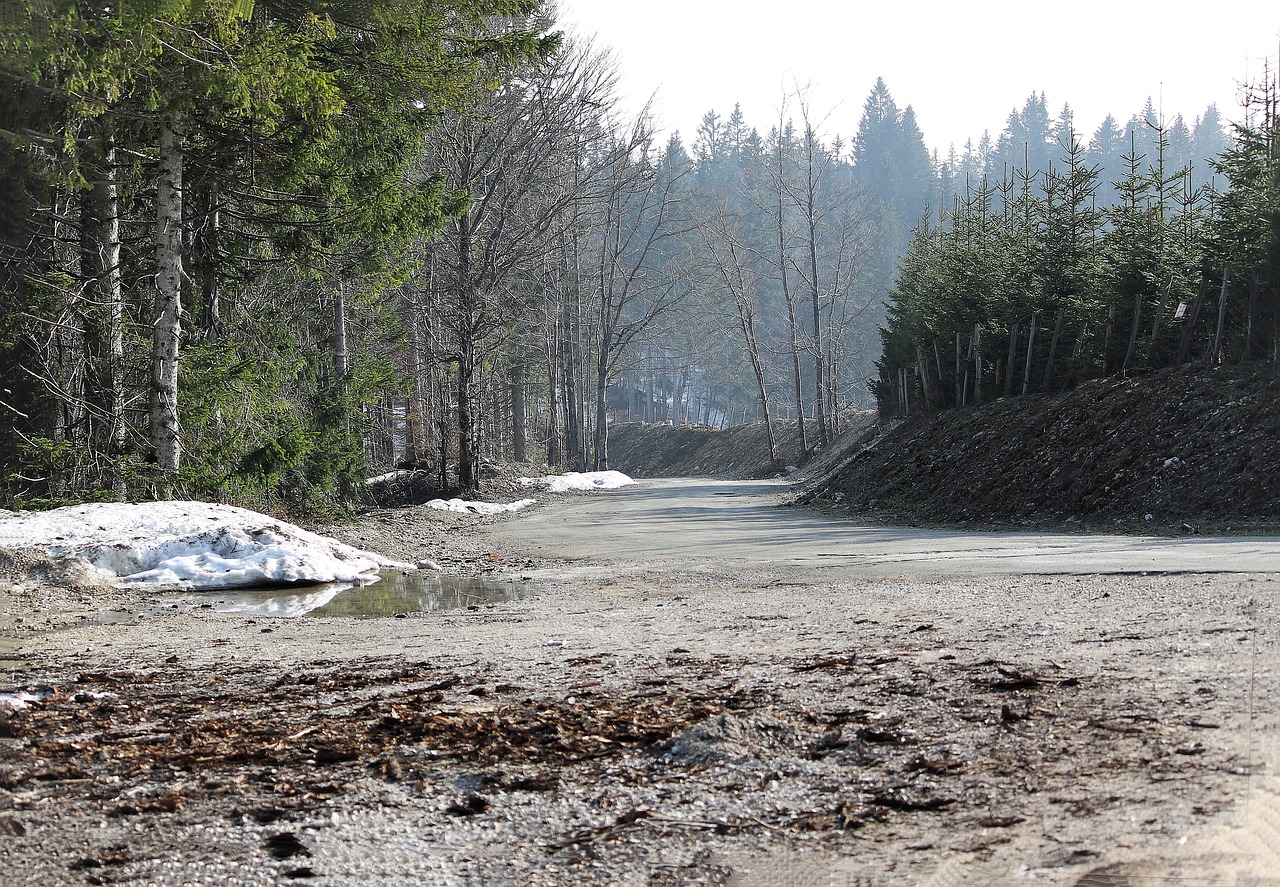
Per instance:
x=573, y=480
x=188, y=545
x=19, y=699
x=462, y=506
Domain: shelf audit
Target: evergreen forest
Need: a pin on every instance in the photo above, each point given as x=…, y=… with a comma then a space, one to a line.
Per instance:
x=259, y=250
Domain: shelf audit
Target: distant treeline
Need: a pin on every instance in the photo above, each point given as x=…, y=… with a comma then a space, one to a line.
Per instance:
x=1035, y=140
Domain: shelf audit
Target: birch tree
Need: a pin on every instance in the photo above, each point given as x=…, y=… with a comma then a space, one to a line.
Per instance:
x=514, y=154
x=643, y=270
x=731, y=259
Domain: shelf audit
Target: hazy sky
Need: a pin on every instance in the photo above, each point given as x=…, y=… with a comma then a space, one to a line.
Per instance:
x=962, y=66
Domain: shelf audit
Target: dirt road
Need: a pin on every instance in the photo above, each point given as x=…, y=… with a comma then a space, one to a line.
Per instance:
x=684, y=522
x=707, y=689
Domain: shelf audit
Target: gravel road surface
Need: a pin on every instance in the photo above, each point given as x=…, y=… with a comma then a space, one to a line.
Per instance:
x=704, y=688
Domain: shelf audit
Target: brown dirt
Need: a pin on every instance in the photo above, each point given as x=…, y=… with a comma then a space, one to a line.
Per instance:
x=1197, y=449
x=1184, y=451
x=741, y=452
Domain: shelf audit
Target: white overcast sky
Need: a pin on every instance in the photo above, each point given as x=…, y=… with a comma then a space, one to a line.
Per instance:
x=962, y=65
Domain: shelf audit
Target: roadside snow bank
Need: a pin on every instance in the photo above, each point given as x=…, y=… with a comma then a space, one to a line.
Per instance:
x=462, y=506
x=573, y=480
x=188, y=545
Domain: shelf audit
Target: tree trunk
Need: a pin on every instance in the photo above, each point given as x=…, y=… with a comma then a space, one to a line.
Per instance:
x=789, y=298
x=555, y=448
x=757, y=367
x=519, y=418
x=569, y=378
x=819, y=384
x=468, y=459
x=341, y=364
x=600, y=457
x=419, y=411
x=793, y=324
x=208, y=251
x=167, y=323
x=100, y=265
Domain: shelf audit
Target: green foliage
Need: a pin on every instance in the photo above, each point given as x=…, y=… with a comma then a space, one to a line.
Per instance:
x=1246, y=228
x=304, y=119
x=265, y=426
x=1109, y=261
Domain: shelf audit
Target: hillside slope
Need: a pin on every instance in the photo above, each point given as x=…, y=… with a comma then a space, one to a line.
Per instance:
x=740, y=452
x=1178, y=451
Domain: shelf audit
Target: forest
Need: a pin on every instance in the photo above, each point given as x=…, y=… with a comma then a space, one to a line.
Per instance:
x=259, y=250
x=1037, y=276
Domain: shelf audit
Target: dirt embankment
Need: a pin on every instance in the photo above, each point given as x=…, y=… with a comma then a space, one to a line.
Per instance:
x=1181, y=451
x=740, y=453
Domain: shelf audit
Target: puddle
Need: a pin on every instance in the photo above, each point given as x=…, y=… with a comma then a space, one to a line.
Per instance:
x=394, y=593
x=9, y=661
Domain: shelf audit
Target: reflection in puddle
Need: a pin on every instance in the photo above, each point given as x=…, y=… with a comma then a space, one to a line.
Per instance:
x=9, y=660
x=394, y=593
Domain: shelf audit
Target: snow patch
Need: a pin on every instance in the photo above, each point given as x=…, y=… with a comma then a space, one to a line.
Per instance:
x=20, y=699
x=577, y=481
x=188, y=545
x=462, y=506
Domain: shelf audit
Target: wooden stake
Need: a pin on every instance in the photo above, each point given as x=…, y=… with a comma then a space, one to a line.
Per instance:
x=937, y=362
x=1133, y=334
x=1212, y=357
x=958, y=383
x=922, y=369
x=1031, y=353
x=1155, y=326
x=1053, y=349
x=1189, y=326
x=1253, y=308
x=1009, y=364
x=1076, y=352
x=1106, y=342
x=977, y=363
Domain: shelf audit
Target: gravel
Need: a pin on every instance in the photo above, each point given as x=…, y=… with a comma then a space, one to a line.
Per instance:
x=660, y=722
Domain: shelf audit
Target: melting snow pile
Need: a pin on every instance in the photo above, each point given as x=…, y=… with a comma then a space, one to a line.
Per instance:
x=20, y=699
x=462, y=506
x=188, y=545
x=573, y=480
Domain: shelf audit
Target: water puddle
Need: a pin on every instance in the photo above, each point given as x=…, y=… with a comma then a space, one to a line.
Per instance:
x=9, y=660
x=393, y=594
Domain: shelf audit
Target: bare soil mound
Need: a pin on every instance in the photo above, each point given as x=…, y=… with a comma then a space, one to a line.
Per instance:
x=1184, y=450
x=416, y=486
x=741, y=452
x=643, y=450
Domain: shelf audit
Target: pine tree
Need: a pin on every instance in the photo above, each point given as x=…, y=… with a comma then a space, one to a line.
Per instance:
x=1208, y=136
x=1106, y=148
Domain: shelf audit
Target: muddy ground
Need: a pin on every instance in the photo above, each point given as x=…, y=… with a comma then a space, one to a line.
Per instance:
x=668, y=721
